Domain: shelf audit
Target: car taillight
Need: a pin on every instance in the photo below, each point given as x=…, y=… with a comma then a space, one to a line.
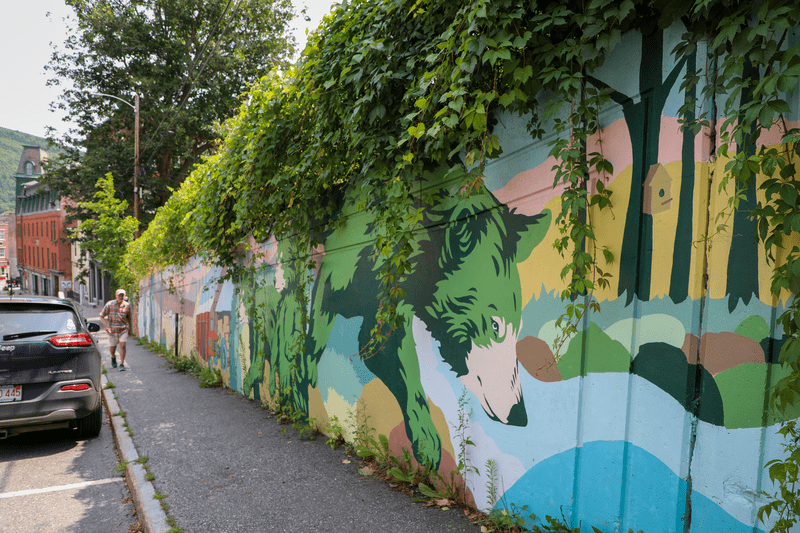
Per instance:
x=79, y=386
x=78, y=339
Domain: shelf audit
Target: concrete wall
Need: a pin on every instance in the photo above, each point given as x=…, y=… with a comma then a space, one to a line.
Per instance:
x=653, y=417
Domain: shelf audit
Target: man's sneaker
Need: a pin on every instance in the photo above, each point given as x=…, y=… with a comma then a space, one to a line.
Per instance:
x=114, y=362
x=122, y=368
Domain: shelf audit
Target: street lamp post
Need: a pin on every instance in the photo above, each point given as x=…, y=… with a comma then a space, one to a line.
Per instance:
x=135, y=107
x=136, y=165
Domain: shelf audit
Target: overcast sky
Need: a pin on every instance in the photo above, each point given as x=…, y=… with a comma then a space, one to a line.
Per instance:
x=25, y=37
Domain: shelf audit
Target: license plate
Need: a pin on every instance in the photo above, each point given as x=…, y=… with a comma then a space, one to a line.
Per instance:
x=10, y=393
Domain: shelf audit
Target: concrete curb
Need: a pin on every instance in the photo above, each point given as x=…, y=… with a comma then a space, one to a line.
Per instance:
x=151, y=515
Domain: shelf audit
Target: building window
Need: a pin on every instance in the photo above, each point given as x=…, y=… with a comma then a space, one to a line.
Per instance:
x=2, y=235
x=2, y=252
x=29, y=168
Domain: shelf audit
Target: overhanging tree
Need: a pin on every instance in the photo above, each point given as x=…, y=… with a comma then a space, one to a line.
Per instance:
x=188, y=60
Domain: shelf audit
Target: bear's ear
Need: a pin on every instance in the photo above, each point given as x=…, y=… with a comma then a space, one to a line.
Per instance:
x=531, y=232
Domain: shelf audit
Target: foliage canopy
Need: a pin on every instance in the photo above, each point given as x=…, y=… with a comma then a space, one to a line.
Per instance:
x=188, y=60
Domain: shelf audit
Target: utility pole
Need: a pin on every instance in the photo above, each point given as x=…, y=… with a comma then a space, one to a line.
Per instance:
x=136, y=167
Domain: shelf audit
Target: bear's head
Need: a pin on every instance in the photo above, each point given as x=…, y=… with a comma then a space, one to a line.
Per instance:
x=471, y=297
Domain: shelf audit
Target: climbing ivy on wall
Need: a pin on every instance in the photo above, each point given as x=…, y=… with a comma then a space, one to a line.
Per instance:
x=387, y=89
x=754, y=48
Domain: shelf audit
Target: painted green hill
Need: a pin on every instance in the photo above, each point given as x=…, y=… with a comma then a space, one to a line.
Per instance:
x=10, y=149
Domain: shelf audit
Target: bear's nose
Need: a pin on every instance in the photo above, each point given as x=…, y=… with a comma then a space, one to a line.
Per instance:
x=518, y=416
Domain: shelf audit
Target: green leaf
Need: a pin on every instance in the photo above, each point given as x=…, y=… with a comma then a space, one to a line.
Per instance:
x=428, y=491
x=766, y=116
x=479, y=119
x=789, y=194
x=377, y=113
x=506, y=99
x=523, y=74
x=417, y=130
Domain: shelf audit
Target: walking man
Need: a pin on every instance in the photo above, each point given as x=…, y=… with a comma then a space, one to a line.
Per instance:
x=116, y=319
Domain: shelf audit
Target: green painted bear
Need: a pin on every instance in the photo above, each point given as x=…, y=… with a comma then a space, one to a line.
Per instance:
x=465, y=288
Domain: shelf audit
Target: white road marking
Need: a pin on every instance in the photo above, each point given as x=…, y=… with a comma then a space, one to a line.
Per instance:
x=62, y=487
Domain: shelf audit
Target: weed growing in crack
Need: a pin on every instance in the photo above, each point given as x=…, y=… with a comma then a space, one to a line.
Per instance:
x=491, y=482
x=173, y=528
x=273, y=403
x=190, y=364
x=335, y=432
x=210, y=377
x=280, y=405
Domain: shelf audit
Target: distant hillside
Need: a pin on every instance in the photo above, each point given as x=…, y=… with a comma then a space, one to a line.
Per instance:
x=10, y=150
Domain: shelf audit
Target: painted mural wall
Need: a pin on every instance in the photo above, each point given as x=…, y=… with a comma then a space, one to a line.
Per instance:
x=652, y=417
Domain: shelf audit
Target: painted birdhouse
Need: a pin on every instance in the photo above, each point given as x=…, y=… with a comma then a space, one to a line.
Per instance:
x=657, y=190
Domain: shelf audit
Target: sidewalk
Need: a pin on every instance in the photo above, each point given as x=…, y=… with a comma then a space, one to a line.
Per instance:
x=225, y=466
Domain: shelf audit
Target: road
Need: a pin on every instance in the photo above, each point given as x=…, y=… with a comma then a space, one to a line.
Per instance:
x=51, y=482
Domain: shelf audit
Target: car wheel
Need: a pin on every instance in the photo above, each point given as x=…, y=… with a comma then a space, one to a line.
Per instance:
x=90, y=426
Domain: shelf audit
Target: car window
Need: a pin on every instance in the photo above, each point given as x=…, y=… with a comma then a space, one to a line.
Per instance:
x=60, y=321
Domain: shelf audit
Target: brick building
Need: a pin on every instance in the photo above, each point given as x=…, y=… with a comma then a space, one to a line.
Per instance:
x=43, y=260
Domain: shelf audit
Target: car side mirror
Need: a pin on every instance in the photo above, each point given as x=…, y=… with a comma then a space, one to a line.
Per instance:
x=93, y=328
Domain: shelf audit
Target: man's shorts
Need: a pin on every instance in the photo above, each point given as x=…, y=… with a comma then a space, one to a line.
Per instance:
x=116, y=338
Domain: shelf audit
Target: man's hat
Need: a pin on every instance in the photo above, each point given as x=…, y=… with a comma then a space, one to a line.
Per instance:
x=120, y=291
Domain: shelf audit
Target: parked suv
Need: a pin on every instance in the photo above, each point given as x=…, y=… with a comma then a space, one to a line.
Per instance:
x=49, y=367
